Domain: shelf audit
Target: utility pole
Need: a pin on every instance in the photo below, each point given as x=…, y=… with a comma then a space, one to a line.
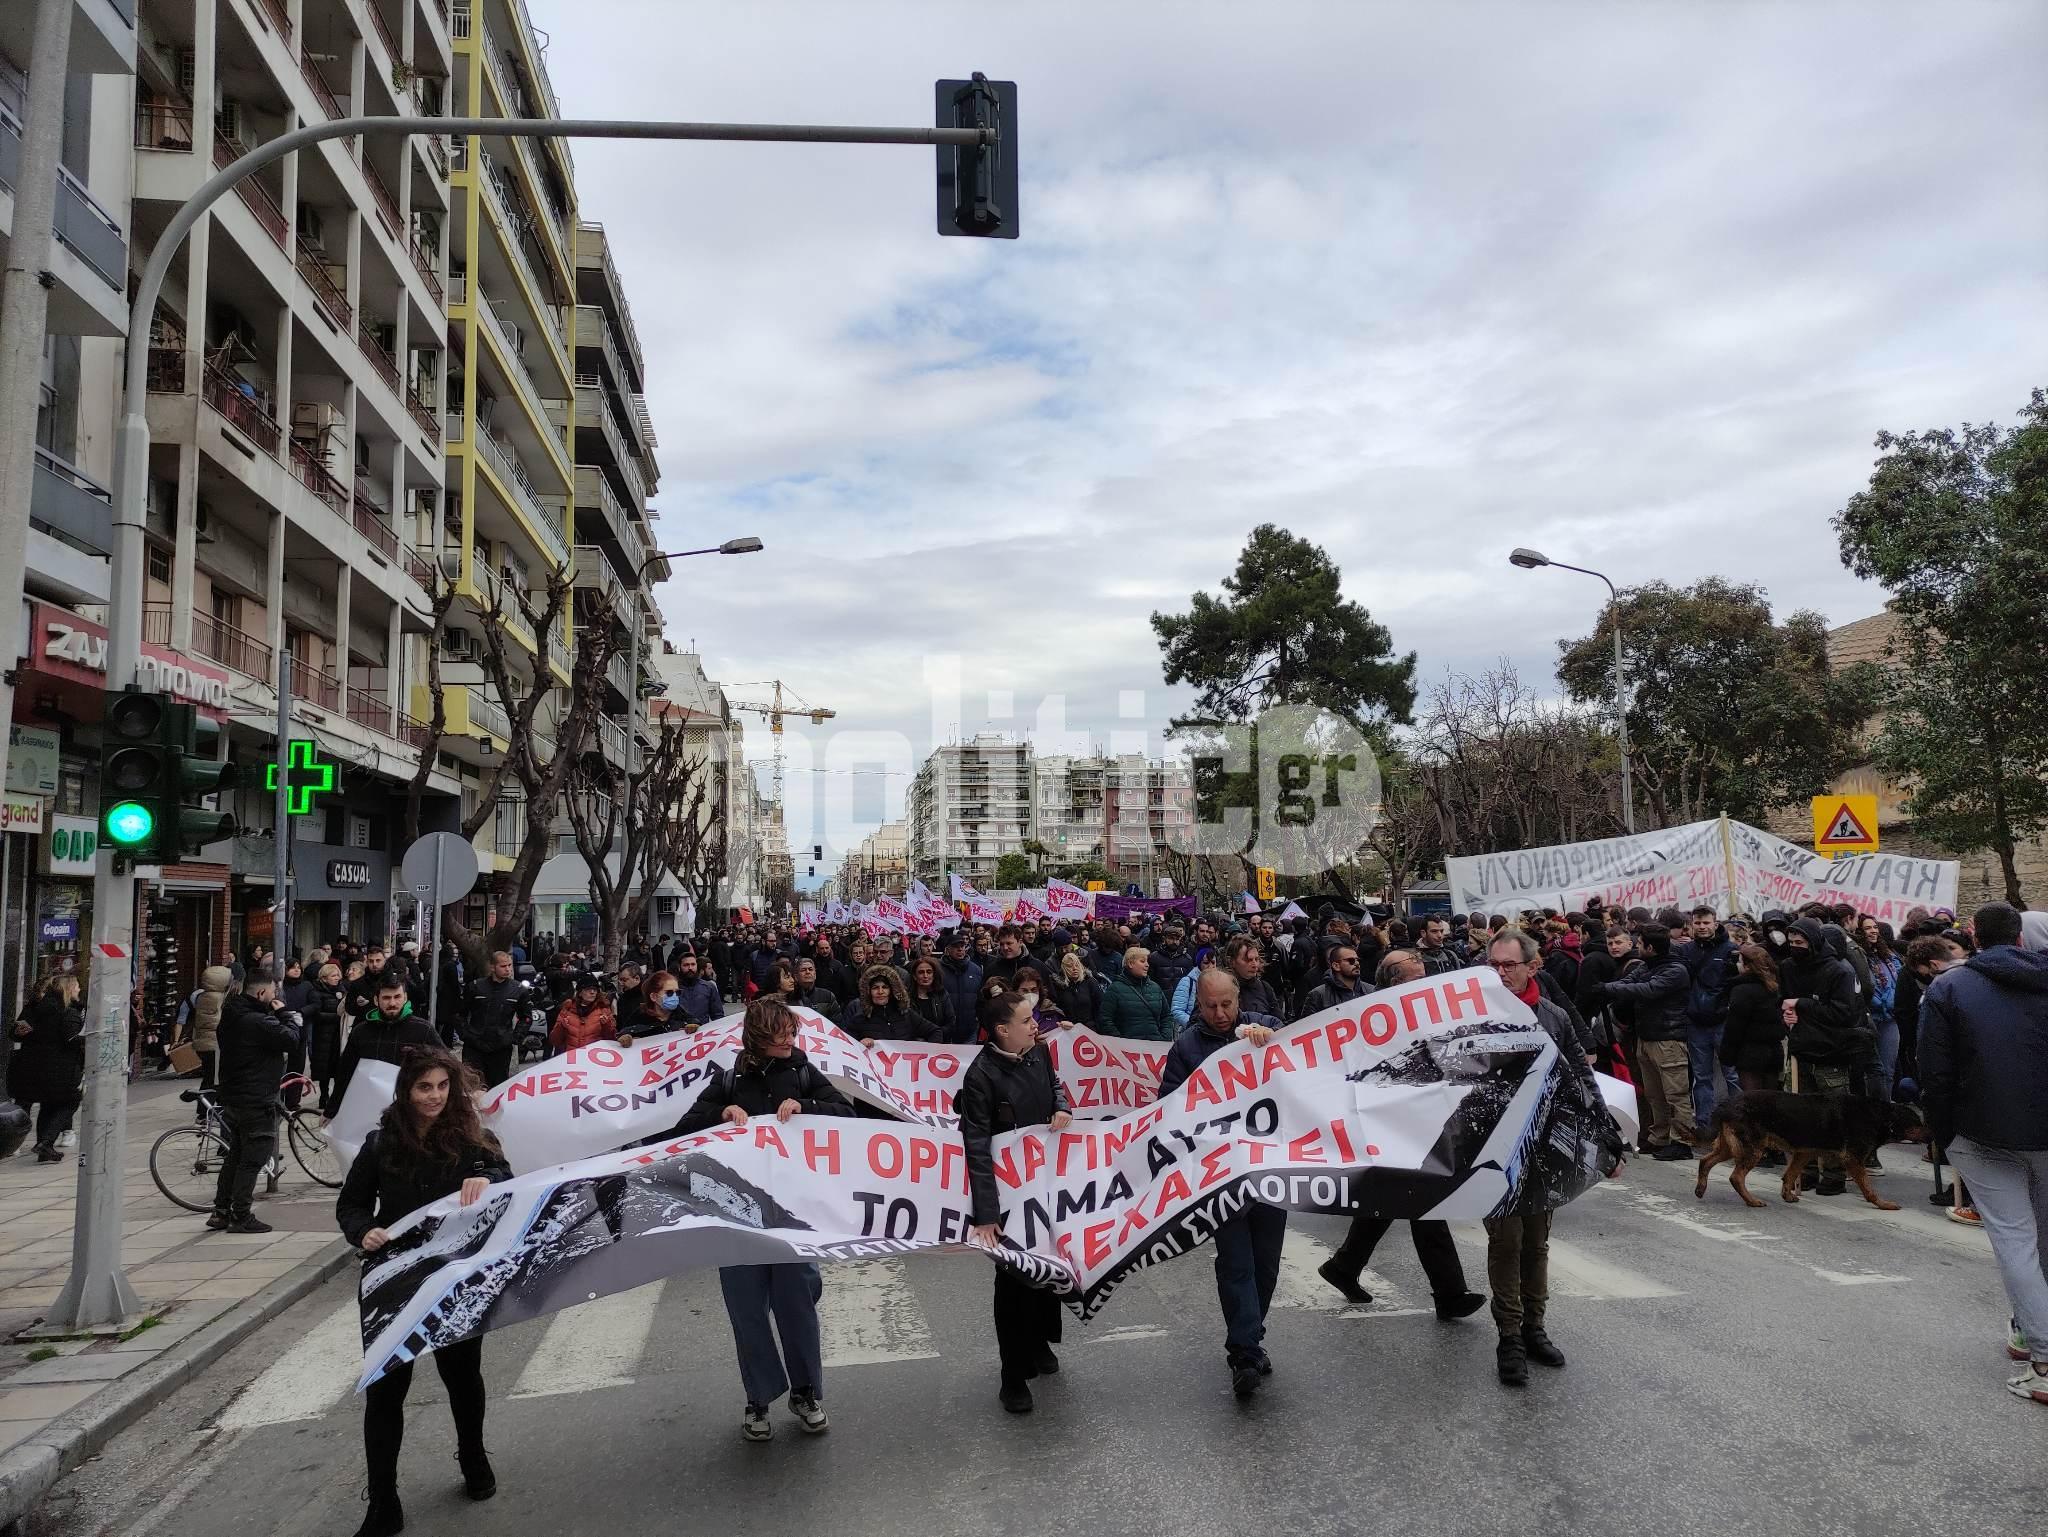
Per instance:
x=98, y=1295
x=24, y=317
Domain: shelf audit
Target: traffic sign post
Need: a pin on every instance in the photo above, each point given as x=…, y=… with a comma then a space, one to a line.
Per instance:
x=440, y=868
x=1844, y=824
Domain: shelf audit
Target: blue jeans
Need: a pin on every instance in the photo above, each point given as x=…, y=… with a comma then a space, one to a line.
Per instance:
x=1247, y=1270
x=1701, y=1042
x=790, y=1292
x=1887, y=1057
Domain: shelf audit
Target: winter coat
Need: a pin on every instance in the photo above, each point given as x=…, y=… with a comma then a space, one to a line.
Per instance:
x=48, y=1064
x=379, y=1192
x=761, y=1089
x=1329, y=994
x=1596, y=970
x=494, y=1014
x=1258, y=997
x=1753, y=1034
x=701, y=1002
x=373, y=1038
x=256, y=1041
x=1080, y=1001
x=1182, y=1008
x=936, y=1009
x=1659, y=990
x=1136, y=1009
x=819, y=1000
x=574, y=1027
x=1169, y=966
x=1984, y=1050
x=1198, y=1043
x=1000, y=1093
x=1712, y=964
x=214, y=983
x=1834, y=1027
x=962, y=980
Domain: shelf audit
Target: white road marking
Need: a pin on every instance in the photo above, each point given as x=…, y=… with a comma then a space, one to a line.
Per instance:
x=870, y=1314
x=593, y=1345
x=1857, y=1278
x=1921, y=1224
x=1576, y=1273
x=308, y=1378
x=1126, y=1332
x=1301, y=1287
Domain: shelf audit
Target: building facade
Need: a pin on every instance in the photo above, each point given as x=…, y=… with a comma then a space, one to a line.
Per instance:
x=970, y=804
x=880, y=862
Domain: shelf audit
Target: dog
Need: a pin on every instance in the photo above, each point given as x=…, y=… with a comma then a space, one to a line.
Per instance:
x=1806, y=1126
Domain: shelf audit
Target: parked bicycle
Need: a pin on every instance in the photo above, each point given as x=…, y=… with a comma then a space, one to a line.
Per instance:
x=186, y=1161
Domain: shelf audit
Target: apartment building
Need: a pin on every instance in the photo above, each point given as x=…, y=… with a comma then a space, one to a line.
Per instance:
x=881, y=862
x=970, y=804
x=1148, y=811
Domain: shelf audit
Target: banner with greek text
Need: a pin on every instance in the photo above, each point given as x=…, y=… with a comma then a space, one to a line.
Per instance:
x=1063, y=899
x=980, y=908
x=1441, y=1098
x=1725, y=864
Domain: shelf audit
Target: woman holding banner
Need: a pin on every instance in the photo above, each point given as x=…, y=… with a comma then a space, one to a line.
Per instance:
x=772, y=1078
x=429, y=1144
x=1011, y=1084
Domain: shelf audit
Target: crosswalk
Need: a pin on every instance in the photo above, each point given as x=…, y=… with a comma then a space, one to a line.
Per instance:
x=880, y=1313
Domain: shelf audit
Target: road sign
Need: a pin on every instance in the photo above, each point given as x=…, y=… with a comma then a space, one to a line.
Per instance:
x=1845, y=824
x=443, y=864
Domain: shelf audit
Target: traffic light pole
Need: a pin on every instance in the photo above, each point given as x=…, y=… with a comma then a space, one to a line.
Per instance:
x=280, y=915
x=98, y=1296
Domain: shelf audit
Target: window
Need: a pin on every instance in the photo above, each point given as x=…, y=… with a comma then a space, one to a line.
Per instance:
x=159, y=564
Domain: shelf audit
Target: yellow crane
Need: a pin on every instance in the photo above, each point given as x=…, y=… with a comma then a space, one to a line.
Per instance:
x=784, y=702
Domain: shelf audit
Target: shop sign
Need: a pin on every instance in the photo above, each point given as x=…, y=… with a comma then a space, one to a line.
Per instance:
x=73, y=847
x=80, y=645
x=21, y=813
x=349, y=874
x=57, y=930
x=33, y=758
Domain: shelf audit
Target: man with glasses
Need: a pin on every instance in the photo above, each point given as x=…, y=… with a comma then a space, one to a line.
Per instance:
x=1342, y=986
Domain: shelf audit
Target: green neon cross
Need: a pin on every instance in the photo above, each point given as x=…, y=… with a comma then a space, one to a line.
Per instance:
x=305, y=777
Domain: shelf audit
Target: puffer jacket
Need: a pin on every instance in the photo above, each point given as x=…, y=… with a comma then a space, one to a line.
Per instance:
x=214, y=983
x=574, y=1027
x=1000, y=1093
x=1984, y=1050
x=1136, y=1009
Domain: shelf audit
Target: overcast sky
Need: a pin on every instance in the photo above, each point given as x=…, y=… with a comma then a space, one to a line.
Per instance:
x=1635, y=285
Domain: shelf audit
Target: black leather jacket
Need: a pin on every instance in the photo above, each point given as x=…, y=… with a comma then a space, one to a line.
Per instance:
x=1000, y=1093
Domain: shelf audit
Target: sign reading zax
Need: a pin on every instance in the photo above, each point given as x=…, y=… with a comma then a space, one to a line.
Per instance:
x=1845, y=824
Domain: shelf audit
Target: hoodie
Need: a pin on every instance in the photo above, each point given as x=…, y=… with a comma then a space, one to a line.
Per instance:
x=1834, y=1027
x=1984, y=1050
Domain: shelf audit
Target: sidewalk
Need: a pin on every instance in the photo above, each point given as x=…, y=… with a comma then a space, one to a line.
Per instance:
x=202, y=1290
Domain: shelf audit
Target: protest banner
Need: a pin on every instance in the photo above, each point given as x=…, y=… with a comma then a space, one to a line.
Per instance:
x=1030, y=908
x=980, y=907
x=1439, y=1098
x=1725, y=864
x=1063, y=899
x=1115, y=909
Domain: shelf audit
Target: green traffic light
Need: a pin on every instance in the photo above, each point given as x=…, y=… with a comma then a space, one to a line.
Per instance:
x=129, y=824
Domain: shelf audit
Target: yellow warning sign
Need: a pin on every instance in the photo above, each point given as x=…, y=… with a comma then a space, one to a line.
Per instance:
x=1845, y=824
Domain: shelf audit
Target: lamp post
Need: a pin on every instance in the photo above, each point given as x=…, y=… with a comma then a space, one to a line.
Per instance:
x=1529, y=560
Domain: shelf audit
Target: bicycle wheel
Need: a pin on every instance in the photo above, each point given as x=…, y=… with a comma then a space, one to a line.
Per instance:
x=186, y=1162
x=319, y=1157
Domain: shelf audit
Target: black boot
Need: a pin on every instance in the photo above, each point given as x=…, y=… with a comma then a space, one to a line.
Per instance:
x=1347, y=1285
x=384, y=1518
x=1511, y=1358
x=1536, y=1345
x=478, y=1481
x=1016, y=1395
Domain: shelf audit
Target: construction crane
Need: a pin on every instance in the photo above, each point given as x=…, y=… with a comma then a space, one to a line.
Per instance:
x=783, y=703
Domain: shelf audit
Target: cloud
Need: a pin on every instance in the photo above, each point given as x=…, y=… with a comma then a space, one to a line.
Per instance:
x=1636, y=286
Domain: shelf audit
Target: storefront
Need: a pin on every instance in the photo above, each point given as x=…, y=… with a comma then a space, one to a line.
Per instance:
x=339, y=892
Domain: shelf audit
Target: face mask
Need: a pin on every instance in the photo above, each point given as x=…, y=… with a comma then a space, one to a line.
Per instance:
x=670, y=1000
x=1777, y=936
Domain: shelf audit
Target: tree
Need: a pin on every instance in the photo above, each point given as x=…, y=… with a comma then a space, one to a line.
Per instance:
x=633, y=826
x=1954, y=525
x=1406, y=836
x=1728, y=711
x=1285, y=634
x=1014, y=871
x=542, y=747
x=1082, y=871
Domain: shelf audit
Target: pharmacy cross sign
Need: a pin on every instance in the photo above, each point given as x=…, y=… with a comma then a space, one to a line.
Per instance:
x=305, y=777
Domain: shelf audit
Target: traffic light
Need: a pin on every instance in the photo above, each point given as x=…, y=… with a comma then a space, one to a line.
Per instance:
x=1268, y=883
x=150, y=777
x=978, y=183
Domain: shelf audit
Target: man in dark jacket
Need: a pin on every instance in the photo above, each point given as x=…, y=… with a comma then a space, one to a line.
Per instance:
x=962, y=980
x=699, y=1003
x=1344, y=985
x=491, y=1017
x=1709, y=955
x=1831, y=1034
x=1248, y=1244
x=1984, y=1074
x=381, y=1035
x=258, y=1036
x=1658, y=985
x=1247, y=961
x=1435, y=948
x=811, y=993
x=1171, y=959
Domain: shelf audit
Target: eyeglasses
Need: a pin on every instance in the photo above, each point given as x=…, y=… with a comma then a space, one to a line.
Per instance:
x=1509, y=965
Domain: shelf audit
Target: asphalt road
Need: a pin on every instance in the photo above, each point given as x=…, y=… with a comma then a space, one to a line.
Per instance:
x=1824, y=1368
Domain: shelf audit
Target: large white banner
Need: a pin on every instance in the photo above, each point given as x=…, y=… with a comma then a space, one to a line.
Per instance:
x=1729, y=865
x=1440, y=1098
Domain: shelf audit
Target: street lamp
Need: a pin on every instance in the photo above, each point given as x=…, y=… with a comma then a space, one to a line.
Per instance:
x=746, y=544
x=1529, y=560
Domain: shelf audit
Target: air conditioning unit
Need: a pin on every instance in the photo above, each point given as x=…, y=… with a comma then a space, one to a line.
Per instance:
x=315, y=416
x=457, y=643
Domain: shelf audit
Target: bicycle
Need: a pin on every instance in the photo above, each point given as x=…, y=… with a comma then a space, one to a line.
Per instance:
x=186, y=1161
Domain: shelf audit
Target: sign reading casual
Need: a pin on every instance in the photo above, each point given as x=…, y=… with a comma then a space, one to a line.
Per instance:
x=348, y=874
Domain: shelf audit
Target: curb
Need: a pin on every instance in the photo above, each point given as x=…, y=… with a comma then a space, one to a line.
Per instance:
x=30, y=1469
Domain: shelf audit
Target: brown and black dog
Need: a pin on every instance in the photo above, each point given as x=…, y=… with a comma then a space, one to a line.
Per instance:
x=1806, y=1126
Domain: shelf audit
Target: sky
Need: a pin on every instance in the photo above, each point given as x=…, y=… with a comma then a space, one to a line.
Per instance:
x=1634, y=285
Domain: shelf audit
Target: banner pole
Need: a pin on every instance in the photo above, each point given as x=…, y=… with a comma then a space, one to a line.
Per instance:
x=1728, y=858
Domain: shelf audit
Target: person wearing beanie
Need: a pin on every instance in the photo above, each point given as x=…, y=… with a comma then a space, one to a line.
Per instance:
x=584, y=1018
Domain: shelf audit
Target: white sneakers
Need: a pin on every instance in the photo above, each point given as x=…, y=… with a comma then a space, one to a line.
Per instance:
x=2029, y=1384
x=754, y=1424
x=809, y=1413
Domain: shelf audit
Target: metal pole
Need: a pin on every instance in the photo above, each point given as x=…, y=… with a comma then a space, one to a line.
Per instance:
x=280, y=914
x=434, y=956
x=24, y=311
x=98, y=1294
x=1628, y=799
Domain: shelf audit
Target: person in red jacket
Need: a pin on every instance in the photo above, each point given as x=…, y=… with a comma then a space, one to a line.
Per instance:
x=583, y=1019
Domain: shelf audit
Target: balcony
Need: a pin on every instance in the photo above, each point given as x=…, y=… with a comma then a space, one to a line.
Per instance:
x=230, y=647
x=424, y=262
x=319, y=272
x=500, y=199
x=69, y=504
x=594, y=494
x=503, y=332
x=314, y=686
x=371, y=525
x=611, y=740
x=451, y=427
x=261, y=203
x=324, y=94
x=591, y=412
x=594, y=329
x=385, y=364
x=275, y=10
x=166, y=371
x=383, y=31
x=424, y=414
x=546, y=520
x=316, y=478
x=387, y=205
x=165, y=126
x=87, y=230
x=232, y=398
x=618, y=672
x=488, y=715
x=594, y=573
x=419, y=568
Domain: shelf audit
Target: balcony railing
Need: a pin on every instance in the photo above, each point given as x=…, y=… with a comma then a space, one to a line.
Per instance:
x=275, y=10
x=231, y=647
x=489, y=714
x=227, y=395
x=544, y=517
x=458, y=21
x=226, y=152
x=618, y=289
x=373, y=349
x=314, y=686
x=619, y=673
x=163, y=125
x=594, y=490
x=373, y=527
x=592, y=412
x=594, y=573
x=419, y=568
x=324, y=94
x=509, y=227
x=423, y=412
x=611, y=739
x=166, y=370
x=317, y=479
x=423, y=260
x=522, y=377
x=451, y=427
x=313, y=267
x=594, y=329
x=387, y=205
x=383, y=29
